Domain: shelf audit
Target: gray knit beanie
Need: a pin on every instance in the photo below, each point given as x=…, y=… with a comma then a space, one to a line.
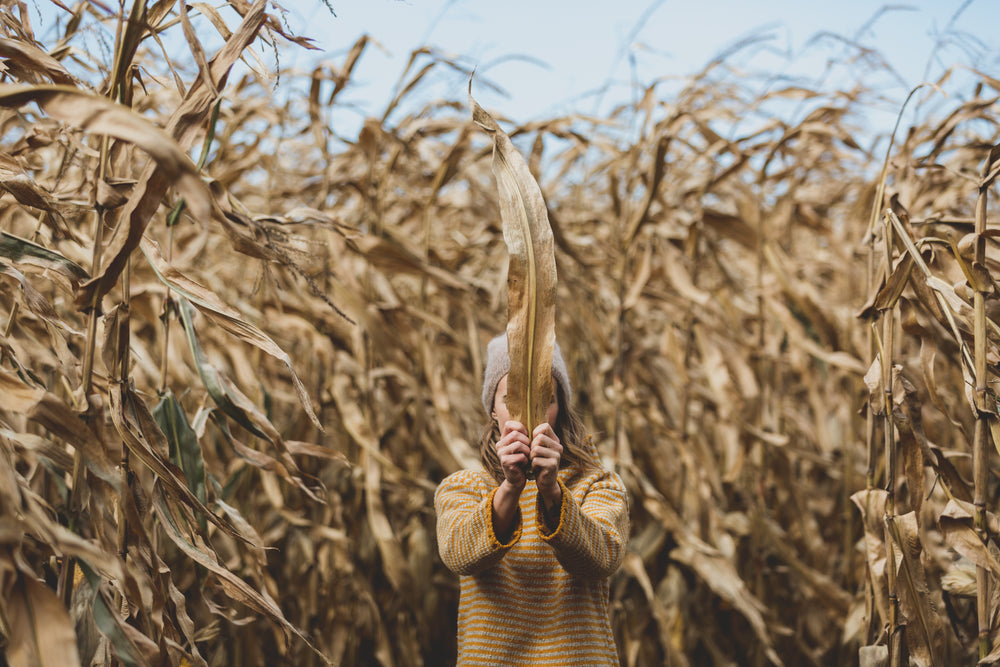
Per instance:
x=498, y=365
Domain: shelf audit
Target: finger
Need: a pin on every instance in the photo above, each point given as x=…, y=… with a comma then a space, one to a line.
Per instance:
x=513, y=458
x=545, y=468
x=514, y=438
x=543, y=442
x=547, y=462
x=515, y=446
x=518, y=453
x=542, y=445
x=547, y=442
x=544, y=428
x=516, y=463
x=513, y=427
x=516, y=460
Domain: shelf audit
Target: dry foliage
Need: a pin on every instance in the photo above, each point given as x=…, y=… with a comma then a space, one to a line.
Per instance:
x=531, y=277
x=229, y=388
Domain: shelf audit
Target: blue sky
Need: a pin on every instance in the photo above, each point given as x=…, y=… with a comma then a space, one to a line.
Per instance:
x=553, y=57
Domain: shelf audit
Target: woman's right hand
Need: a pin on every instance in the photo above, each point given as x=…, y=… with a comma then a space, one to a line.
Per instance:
x=514, y=449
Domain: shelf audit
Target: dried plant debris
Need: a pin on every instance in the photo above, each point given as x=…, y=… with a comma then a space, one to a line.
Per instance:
x=240, y=348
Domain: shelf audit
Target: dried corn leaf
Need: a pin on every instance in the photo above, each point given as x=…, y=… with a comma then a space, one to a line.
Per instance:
x=234, y=587
x=36, y=302
x=185, y=453
x=906, y=415
x=49, y=411
x=155, y=179
x=392, y=255
x=130, y=37
x=56, y=455
x=145, y=441
x=456, y=453
x=633, y=566
x=394, y=562
x=96, y=114
x=22, y=251
x=224, y=393
x=825, y=587
x=115, y=348
x=285, y=468
x=225, y=316
x=354, y=422
x=871, y=504
x=129, y=645
x=41, y=632
x=30, y=58
x=204, y=72
x=925, y=634
x=531, y=277
x=957, y=522
x=25, y=190
x=249, y=533
x=718, y=573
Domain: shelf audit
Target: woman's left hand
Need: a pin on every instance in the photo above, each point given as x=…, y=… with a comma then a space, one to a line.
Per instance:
x=546, y=452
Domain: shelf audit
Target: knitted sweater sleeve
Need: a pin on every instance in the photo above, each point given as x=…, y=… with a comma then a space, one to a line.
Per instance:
x=466, y=539
x=592, y=533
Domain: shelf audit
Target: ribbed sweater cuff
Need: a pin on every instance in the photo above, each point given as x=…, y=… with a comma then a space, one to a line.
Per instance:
x=495, y=543
x=543, y=524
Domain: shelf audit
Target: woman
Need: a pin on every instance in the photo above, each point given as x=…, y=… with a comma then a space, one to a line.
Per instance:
x=533, y=557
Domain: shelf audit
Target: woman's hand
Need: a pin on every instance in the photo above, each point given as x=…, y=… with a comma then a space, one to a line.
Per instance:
x=514, y=450
x=545, y=454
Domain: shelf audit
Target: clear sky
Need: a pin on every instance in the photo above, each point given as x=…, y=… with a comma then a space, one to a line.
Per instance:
x=555, y=56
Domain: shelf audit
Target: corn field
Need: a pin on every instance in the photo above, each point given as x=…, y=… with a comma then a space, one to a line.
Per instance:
x=240, y=349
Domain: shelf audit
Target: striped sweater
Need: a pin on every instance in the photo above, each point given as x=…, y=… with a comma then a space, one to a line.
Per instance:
x=541, y=598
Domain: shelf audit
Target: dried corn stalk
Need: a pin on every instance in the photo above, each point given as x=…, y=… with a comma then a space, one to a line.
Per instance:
x=531, y=277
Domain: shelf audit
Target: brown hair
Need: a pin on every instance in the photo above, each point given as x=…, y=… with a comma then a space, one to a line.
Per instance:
x=568, y=428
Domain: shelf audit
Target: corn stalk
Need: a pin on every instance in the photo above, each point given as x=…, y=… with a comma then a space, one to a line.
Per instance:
x=896, y=630
x=878, y=416
x=986, y=407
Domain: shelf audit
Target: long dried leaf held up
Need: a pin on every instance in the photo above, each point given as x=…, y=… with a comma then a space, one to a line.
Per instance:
x=531, y=277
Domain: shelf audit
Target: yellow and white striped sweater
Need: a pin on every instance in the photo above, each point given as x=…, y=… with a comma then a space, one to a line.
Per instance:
x=542, y=597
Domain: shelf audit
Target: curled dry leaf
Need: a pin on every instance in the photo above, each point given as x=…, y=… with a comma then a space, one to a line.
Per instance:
x=29, y=57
